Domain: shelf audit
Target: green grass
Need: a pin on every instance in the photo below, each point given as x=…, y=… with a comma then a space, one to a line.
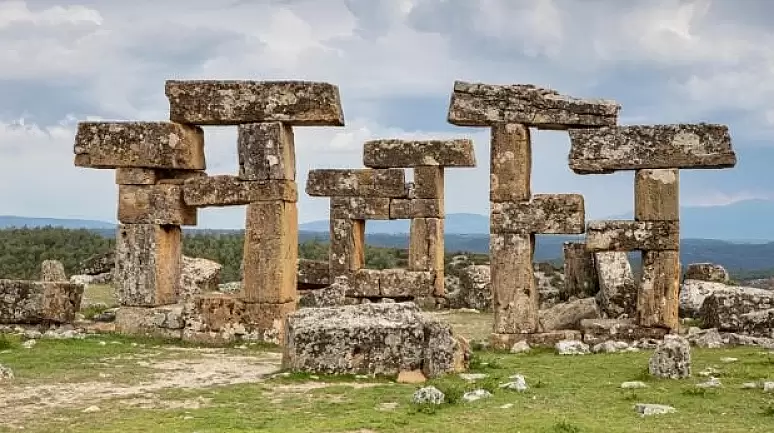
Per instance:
x=566, y=395
x=99, y=294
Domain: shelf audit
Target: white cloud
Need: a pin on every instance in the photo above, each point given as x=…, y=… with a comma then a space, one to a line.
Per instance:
x=15, y=12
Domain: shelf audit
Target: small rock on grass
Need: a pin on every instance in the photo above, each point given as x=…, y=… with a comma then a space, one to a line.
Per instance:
x=517, y=383
x=520, y=347
x=713, y=382
x=768, y=386
x=634, y=385
x=472, y=377
x=5, y=373
x=572, y=347
x=476, y=394
x=645, y=409
x=91, y=409
x=749, y=385
x=610, y=347
x=506, y=406
x=29, y=344
x=428, y=395
x=728, y=360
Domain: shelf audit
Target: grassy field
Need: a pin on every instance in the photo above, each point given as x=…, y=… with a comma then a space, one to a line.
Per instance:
x=117, y=384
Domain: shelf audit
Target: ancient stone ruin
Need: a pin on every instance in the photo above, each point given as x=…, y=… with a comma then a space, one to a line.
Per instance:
x=51, y=301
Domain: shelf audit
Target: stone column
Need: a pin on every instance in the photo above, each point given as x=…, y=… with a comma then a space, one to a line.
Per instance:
x=580, y=276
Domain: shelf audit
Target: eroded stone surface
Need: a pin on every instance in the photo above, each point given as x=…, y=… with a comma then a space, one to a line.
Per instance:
x=657, y=195
x=148, y=264
x=33, y=302
x=513, y=284
x=615, y=235
x=707, y=272
x=617, y=296
x=650, y=147
x=545, y=213
x=139, y=144
x=658, y=298
x=568, y=315
x=52, y=270
x=723, y=309
x=426, y=249
x=398, y=283
x=347, y=246
x=231, y=102
x=360, y=208
x=428, y=182
x=224, y=190
x=160, y=322
x=510, y=163
x=694, y=292
x=477, y=104
x=580, y=274
x=389, y=183
x=313, y=274
x=394, y=153
x=266, y=151
x=154, y=204
x=151, y=176
x=672, y=359
x=596, y=331
x=198, y=275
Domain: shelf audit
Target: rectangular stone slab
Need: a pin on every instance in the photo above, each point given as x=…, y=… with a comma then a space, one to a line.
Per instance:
x=154, y=204
x=33, y=302
x=400, y=283
x=477, y=104
x=515, y=296
x=266, y=151
x=426, y=249
x=428, y=182
x=510, y=168
x=545, y=213
x=394, y=153
x=632, y=235
x=231, y=102
x=360, y=208
x=658, y=298
x=364, y=283
x=389, y=183
x=416, y=208
x=657, y=195
x=347, y=246
x=636, y=147
x=150, y=176
x=139, y=145
x=313, y=274
x=224, y=190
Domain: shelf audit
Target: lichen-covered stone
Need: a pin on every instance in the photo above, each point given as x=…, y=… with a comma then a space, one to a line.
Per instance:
x=723, y=308
x=231, y=102
x=536, y=339
x=617, y=296
x=615, y=235
x=707, y=272
x=266, y=151
x=152, y=176
x=426, y=249
x=473, y=288
x=61, y=300
x=154, y=204
x=347, y=246
x=99, y=264
x=580, y=275
x=32, y=302
x=148, y=264
x=428, y=182
x=139, y=144
x=758, y=323
x=401, y=208
x=224, y=190
x=568, y=315
x=513, y=284
x=360, y=208
x=371, y=339
x=545, y=213
x=313, y=274
x=401, y=283
x=596, y=331
x=198, y=275
x=694, y=292
x=389, y=183
x=510, y=169
x=363, y=283
x=672, y=359
x=52, y=270
x=476, y=104
x=658, y=297
x=637, y=147
x=657, y=195
x=160, y=322
x=394, y=153
x=329, y=296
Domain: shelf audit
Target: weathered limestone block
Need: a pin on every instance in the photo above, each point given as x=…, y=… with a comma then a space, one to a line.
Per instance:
x=758, y=323
x=510, y=163
x=160, y=322
x=363, y=283
x=347, y=246
x=32, y=302
x=223, y=318
x=723, y=308
x=613, y=235
x=198, y=275
x=426, y=249
x=476, y=104
x=707, y=272
x=231, y=102
x=401, y=208
x=694, y=292
x=369, y=338
x=99, y=264
x=617, y=296
x=140, y=145
x=148, y=264
x=597, y=331
x=271, y=252
x=657, y=195
x=568, y=315
x=226, y=190
x=470, y=287
x=545, y=213
x=428, y=182
x=580, y=275
x=394, y=153
x=389, y=183
x=637, y=147
x=152, y=176
x=513, y=284
x=400, y=283
x=537, y=339
x=329, y=296
x=52, y=270
x=671, y=359
x=360, y=208
x=154, y=204
x=266, y=151
x=313, y=274
x=658, y=300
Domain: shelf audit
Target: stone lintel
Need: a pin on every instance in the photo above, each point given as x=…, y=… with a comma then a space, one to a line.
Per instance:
x=637, y=147
x=232, y=102
x=477, y=104
x=545, y=213
x=225, y=190
x=622, y=235
x=360, y=208
x=150, y=176
x=164, y=145
x=395, y=153
x=416, y=208
x=389, y=183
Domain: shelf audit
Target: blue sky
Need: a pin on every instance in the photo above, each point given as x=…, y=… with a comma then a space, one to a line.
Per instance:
x=395, y=61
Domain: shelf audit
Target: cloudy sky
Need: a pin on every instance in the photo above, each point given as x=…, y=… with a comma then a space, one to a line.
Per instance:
x=395, y=61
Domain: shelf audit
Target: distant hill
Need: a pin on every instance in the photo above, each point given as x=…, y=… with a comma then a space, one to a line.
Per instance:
x=458, y=223
x=11, y=221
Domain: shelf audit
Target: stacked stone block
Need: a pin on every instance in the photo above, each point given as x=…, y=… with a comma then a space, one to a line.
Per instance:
x=160, y=172
x=380, y=192
x=516, y=215
x=655, y=153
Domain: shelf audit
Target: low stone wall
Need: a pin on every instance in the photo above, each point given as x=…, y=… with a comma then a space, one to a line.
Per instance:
x=33, y=302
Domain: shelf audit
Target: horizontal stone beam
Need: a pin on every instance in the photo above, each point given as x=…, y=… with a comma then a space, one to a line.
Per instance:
x=226, y=190
x=639, y=147
x=545, y=213
x=154, y=204
x=299, y=103
x=162, y=145
x=416, y=208
x=150, y=176
x=390, y=283
x=616, y=235
x=476, y=104
x=393, y=153
x=390, y=183
x=360, y=208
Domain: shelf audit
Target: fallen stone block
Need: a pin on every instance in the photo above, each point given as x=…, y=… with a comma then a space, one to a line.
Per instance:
x=198, y=276
x=389, y=183
x=158, y=322
x=617, y=296
x=266, y=151
x=476, y=104
x=230, y=102
x=758, y=323
x=596, y=331
x=154, y=204
x=707, y=272
x=363, y=283
x=61, y=300
x=360, y=208
x=500, y=341
x=224, y=190
x=615, y=235
x=33, y=302
x=694, y=292
x=139, y=145
x=568, y=315
x=380, y=339
x=637, y=147
x=671, y=359
x=394, y=153
x=313, y=274
x=152, y=176
x=400, y=283
x=723, y=308
x=545, y=213
x=330, y=296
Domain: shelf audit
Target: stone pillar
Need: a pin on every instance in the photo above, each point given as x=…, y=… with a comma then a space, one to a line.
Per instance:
x=510, y=163
x=426, y=249
x=514, y=293
x=580, y=276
